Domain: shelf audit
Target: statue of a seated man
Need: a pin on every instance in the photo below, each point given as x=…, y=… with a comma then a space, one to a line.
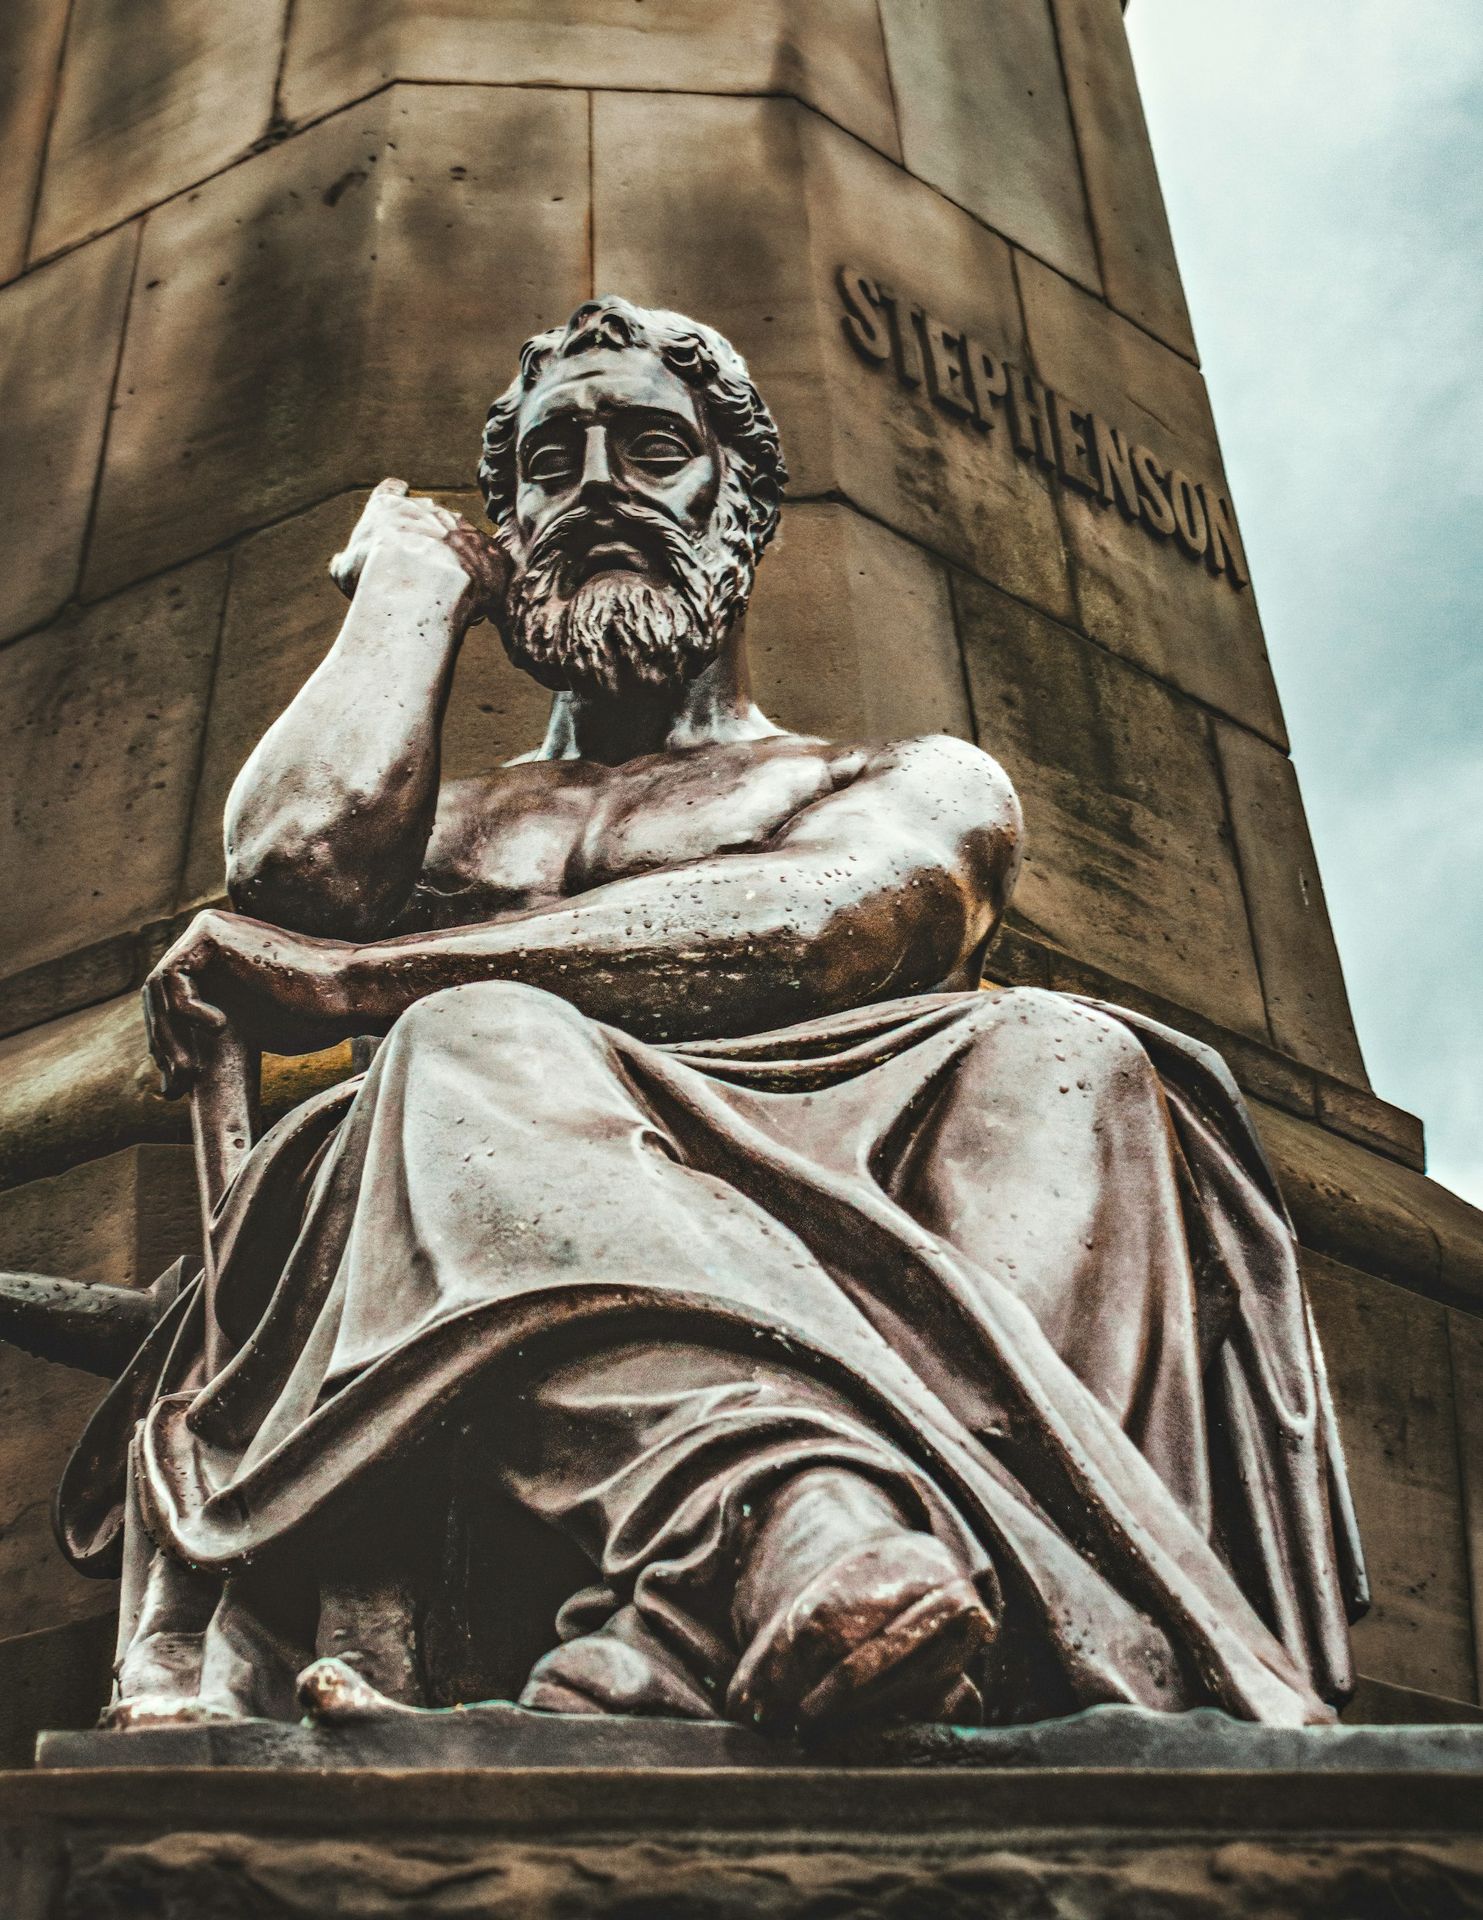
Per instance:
x=886, y=1348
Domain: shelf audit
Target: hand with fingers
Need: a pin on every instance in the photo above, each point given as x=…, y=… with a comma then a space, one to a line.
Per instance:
x=278, y=991
x=424, y=542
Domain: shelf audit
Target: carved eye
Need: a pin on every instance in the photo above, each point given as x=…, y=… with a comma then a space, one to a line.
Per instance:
x=551, y=465
x=659, y=452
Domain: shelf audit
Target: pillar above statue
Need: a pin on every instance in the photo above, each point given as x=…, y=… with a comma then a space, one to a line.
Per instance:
x=836, y=1341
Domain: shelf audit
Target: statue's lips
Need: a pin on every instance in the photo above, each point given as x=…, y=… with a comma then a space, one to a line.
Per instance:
x=606, y=554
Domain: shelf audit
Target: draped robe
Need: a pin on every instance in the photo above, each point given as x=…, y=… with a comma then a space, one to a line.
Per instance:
x=1022, y=1252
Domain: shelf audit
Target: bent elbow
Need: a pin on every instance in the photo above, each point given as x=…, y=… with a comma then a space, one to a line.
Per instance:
x=300, y=886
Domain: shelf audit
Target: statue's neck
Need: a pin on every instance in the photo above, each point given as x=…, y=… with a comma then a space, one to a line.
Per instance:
x=714, y=708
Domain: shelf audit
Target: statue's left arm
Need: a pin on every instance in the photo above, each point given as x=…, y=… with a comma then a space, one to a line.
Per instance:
x=891, y=885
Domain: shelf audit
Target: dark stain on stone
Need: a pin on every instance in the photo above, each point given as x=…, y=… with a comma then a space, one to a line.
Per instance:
x=353, y=177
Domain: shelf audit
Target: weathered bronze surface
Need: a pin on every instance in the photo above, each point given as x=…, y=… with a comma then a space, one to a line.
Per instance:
x=702, y=1252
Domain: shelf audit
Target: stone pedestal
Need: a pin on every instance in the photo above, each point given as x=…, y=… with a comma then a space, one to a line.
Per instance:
x=720, y=1842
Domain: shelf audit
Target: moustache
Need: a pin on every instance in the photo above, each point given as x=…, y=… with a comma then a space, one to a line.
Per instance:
x=580, y=528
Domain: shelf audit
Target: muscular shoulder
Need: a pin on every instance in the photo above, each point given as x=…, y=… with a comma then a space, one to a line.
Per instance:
x=933, y=803
x=940, y=779
x=954, y=808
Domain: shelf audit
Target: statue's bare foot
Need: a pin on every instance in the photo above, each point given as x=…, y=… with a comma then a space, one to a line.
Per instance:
x=333, y=1694
x=145, y=1710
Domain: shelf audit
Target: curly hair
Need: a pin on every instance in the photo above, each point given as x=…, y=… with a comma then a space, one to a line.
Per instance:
x=755, y=471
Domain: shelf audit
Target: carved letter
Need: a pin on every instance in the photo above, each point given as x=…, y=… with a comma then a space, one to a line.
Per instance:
x=1152, y=498
x=1073, y=432
x=1189, y=515
x=990, y=381
x=1029, y=418
x=904, y=350
x=1115, y=468
x=860, y=319
x=945, y=356
x=1225, y=552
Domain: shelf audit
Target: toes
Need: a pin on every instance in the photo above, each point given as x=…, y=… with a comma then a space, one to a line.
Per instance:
x=332, y=1693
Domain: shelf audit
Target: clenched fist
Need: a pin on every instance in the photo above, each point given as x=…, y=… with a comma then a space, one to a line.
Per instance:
x=427, y=542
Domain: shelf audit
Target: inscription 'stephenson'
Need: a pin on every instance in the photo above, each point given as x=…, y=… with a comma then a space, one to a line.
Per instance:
x=971, y=383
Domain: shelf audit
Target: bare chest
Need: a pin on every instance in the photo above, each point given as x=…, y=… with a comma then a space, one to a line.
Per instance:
x=533, y=834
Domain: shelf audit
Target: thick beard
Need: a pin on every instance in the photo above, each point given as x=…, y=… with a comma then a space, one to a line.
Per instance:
x=624, y=629
x=616, y=630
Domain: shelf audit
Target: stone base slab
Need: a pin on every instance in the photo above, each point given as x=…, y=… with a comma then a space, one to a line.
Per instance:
x=721, y=1843
x=503, y=1736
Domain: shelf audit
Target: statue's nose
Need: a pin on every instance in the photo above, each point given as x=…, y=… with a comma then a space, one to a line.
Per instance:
x=597, y=472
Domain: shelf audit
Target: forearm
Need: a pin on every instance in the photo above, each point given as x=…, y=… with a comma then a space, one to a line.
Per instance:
x=328, y=821
x=731, y=946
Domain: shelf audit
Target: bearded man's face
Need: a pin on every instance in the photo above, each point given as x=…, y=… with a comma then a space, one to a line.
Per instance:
x=629, y=558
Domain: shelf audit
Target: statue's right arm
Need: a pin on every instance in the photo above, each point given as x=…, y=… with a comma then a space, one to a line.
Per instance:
x=328, y=822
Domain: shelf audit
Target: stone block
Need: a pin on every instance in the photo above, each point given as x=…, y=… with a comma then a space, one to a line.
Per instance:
x=283, y=613
x=84, y=1086
x=1139, y=592
x=1350, y=1204
x=337, y=308
x=851, y=632
x=117, y=1221
x=1465, y=1339
x=982, y=106
x=73, y=980
x=1376, y=1703
x=1458, y=1229
x=1388, y=1365
x=731, y=248
x=1374, y=1213
x=756, y=247
x=1135, y=251
x=154, y=96
x=78, y=1088
x=102, y=720
x=1238, y=1843
x=1302, y=980
x=1126, y=865
x=58, y=1676
x=43, y=1410
x=30, y=51
x=827, y=53
x=1350, y=1110
x=59, y=337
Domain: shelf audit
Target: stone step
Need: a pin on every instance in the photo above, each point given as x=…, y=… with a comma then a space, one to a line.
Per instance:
x=728, y=1842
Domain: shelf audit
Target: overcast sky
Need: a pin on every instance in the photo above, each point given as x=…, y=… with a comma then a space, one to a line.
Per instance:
x=1323, y=166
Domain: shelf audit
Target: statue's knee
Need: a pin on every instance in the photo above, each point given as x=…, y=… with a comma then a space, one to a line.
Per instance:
x=492, y=1014
x=1045, y=1035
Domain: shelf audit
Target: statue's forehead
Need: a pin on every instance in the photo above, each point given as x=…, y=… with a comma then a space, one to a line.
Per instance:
x=606, y=381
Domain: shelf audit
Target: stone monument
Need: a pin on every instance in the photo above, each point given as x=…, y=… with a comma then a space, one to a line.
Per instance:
x=877, y=1372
